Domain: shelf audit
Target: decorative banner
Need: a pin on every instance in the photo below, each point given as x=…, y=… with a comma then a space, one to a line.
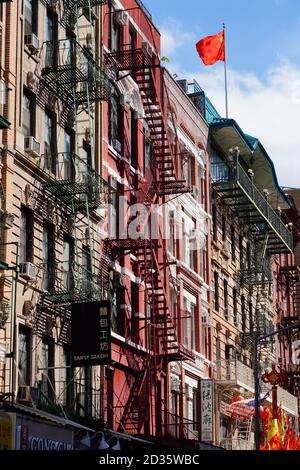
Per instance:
x=207, y=423
x=277, y=376
x=91, y=336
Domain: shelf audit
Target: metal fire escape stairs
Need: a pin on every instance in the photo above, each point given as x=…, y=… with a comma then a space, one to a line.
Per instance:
x=160, y=182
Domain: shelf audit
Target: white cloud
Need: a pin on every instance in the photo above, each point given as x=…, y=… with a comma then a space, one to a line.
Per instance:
x=267, y=108
x=173, y=36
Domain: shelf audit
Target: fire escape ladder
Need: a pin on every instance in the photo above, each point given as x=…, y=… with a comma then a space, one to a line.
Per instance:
x=163, y=165
x=134, y=415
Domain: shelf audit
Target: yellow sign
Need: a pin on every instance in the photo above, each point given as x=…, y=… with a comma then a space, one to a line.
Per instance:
x=6, y=432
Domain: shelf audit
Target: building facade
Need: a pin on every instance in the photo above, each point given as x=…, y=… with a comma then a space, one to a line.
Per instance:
x=124, y=193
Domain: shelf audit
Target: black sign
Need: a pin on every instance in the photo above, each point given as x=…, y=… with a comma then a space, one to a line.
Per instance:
x=91, y=340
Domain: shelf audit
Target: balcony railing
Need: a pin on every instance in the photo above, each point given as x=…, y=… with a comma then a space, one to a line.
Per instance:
x=233, y=372
x=72, y=397
x=237, y=444
x=181, y=428
x=250, y=204
x=72, y=180
x=71, y=282
x=236, y=373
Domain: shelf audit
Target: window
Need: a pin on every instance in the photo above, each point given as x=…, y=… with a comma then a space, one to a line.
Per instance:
x=188, y=170
x=243, y=308
x=26, y=235
x=68, y=154
x=147, y=151
x=233, y=247
x=224, y=228
x=203, y=262
x=241, y=248
x=87, y=154
x=133, y=122
x=189, y=325
x=248, y=255
x=234, y=300
x=115, y=125
x=30, y=16
x=132, y=39
x=201, y=185
x=225, y=294
x=195, y=408
x=48, y=256
x=113, y=211
x=47, y=364
x=28, y=121
x=115, y=31
x=251, y=317
x=87, y=267
x=172, y=241
x=49, y=141
x=214, y=223
x=66, y=384
x=216, y=282
x=51, y=29
x=67, y=264
x=134, y=298
x=24, y=360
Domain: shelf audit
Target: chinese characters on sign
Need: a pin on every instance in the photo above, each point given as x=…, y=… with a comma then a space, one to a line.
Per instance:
x=91, y=336
x=206, y=393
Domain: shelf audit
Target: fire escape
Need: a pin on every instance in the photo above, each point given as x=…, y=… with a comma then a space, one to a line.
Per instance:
x=162, y=181
x=69, y=73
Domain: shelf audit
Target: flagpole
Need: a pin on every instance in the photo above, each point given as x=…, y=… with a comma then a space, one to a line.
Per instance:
x=225, y=71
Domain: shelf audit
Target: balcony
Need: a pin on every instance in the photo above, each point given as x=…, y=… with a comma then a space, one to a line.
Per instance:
x=71, y=282
x=236, y=187
x=181, y=428
x=235, y=373
x=72, y=180
x=237, y=444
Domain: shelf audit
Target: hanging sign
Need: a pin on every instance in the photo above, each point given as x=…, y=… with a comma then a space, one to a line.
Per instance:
x=207, y=427
x=90, y=334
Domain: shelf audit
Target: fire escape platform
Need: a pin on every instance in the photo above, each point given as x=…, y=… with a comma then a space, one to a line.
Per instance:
x=130, y=60
x=235, y=186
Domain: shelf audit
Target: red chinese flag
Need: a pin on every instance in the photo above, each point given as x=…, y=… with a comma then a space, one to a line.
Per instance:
x=212, y=48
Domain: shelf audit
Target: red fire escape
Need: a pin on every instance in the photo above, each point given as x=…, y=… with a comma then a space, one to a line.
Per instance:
x=163, y=180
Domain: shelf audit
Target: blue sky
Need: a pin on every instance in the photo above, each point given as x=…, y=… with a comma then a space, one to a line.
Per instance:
x=263, y=55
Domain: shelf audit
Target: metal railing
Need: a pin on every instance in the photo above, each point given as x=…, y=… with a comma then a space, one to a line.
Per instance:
x=179, y=427
x=235, y=372
x=233, y=172
x=70, y=281
x=68, y=175
x=237, y=444
x=73, y=398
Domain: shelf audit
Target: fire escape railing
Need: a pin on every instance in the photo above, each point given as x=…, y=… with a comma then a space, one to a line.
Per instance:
x=233, y=181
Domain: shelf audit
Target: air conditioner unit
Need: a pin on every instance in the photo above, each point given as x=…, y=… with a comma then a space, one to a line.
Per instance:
x=117, y=145
x=32, y=42
x=195, y=192
x=206, y=320
x=32, y=146
x=122, y=17
x=148, y=49
x=27, y=271
x=27, y=395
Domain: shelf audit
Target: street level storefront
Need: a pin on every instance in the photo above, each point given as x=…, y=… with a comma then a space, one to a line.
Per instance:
x=21, y=432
